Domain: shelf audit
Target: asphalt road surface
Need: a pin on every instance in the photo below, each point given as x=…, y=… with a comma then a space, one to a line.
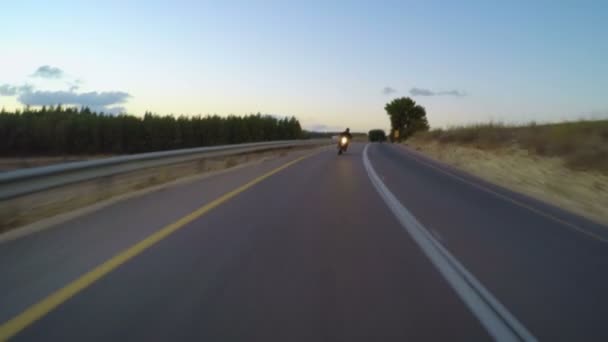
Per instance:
x=380, y=244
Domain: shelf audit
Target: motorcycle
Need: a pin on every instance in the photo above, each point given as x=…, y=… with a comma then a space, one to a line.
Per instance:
x=342, y=145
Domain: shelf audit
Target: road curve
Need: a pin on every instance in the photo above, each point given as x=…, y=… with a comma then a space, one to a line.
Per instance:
x=313, y=252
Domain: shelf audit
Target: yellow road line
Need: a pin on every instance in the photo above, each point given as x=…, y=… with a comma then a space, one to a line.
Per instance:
x=13, y=326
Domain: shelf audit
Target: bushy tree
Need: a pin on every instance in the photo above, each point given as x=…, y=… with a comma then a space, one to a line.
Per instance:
x=377, y=135
x=406, y=118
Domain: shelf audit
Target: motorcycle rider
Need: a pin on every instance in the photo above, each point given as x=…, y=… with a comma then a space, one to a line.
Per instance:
x=346, y=134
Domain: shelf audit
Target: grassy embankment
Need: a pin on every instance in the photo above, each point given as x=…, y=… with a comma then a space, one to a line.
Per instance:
x=565, y=164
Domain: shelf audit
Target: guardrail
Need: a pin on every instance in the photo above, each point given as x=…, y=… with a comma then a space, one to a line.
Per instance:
x=26, y=181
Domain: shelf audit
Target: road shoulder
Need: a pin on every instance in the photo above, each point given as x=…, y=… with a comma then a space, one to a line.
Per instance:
x=545, y=179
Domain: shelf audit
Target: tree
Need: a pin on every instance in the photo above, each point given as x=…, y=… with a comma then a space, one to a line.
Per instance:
x=406, y=118
x=68, y=130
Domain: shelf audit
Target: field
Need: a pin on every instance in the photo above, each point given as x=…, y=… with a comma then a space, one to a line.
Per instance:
x=582, y=145
x=565, y=164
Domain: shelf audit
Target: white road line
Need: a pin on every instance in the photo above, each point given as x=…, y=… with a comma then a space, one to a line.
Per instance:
x=494, y=317
x=437, y=235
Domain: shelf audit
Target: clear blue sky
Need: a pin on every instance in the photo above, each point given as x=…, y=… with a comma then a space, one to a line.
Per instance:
x=326, y=63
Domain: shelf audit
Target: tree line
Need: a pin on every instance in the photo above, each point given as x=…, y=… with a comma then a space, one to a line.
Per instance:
x=60, y=131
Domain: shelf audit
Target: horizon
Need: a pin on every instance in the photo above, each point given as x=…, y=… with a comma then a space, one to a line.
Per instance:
x=328, y=65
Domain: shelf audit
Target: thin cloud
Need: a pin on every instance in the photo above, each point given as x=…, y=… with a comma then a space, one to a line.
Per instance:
x=116, y=110
x=91, y=99
x=427, y=92
x=47, y=71
x=421, y=92
x=109, y=102
x=12, y=90
x=325, y=128
x=74, y=85
x=388, y=90
x=8, y=90
x=452, y=93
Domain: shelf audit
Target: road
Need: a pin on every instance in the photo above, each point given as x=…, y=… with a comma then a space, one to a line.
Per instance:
x=380, y=244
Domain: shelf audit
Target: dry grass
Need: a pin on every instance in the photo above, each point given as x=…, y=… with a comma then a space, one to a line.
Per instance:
x=582, y=145
x=9, y=164
x=565, y=164
x=545, y=178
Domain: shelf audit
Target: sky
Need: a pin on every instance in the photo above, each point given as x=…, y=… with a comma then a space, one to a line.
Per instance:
x=332, y=64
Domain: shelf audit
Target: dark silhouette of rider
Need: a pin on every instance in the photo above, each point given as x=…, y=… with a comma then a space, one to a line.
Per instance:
x=347, y=134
